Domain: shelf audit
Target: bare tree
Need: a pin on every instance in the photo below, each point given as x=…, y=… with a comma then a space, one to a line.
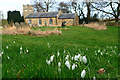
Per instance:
x=64, y=7
x=115, y=11
x=43, y=5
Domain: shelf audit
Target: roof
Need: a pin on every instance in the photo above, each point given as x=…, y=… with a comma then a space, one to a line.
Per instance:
x=67, y=16
x=42, y=15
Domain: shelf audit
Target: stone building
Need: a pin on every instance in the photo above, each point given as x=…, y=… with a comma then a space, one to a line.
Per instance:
x=48, y=18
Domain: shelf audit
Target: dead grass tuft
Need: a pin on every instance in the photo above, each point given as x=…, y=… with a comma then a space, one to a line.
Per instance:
x=96, y=26
x=28, y=31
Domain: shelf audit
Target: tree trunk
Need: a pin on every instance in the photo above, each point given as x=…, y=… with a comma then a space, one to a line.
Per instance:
x=88, y=9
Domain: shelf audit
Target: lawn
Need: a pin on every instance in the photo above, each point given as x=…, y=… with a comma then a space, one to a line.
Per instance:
x=38, y=57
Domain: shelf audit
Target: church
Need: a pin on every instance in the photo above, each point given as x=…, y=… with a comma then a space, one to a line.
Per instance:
x=48, y=18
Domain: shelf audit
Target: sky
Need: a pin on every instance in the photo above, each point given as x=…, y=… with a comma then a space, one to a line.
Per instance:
x=6, y=5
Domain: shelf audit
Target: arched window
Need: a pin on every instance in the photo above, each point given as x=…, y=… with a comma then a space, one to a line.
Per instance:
x=30, y=21
x=50, y=21
x=40, y=22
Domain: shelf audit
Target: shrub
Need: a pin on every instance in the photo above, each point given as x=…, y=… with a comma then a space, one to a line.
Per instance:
x=88, y=20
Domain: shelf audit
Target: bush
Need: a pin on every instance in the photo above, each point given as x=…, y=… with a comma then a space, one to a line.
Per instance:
x=112, y=23
x=88, y=20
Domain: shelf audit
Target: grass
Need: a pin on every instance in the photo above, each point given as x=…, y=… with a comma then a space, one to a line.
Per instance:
x=75, y=40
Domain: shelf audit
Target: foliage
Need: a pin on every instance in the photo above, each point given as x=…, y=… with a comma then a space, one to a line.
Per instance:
x=4, y=22
x=14, y=16
x=88, y=20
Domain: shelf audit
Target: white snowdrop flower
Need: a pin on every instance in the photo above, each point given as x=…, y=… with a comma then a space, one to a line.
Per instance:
x=21, y=48
x=59, y=64
x=84, y=59
x=58, y=54
x=68, y=56
x=76, y=65
x=59, y=70
x=98, y=50
x=94, y=78
x=64, y=51
x=95, y=53
x=115, y=46
x=67, y=64
x=72, y=58
x=73, y=66
x=1, y=52
x=14, y=41
x=101, y=53
x=83, y=73
x=20, y=52
x=27, y=51
x=108, y=61
x=48, y=44
x=6, y=47
x=80, y=58
x=51, y=58
x=48, y=62
x=76, y=57
x=8, y=57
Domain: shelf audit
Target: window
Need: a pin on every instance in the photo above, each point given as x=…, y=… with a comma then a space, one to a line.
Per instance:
x=50, y=21
x=29, y=21
x=40, y=22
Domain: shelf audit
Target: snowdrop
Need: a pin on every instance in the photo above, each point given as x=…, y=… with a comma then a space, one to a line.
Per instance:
x=27, y=51
x=94, y=78
x=67, y=64
x=76, y=57
x=73, y=66
x=84, y=59
x=21, y=48
x=98, y=50
x=101, y=53
x=8, y=57
x=80, y=58
x=72, y=58
x=67, y=57
x=64, y=51
x=48, y=45
x=20, y=52
x=6, y=47
x=1, y=52
x=14, y=41
x=83, y=73
x=58, y=54
x=48, y=62
x=59, y=64
x=59, y=70
x=51, y=58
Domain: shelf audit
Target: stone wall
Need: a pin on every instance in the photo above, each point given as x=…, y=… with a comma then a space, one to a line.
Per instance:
x=27, y=9
x=44, y=21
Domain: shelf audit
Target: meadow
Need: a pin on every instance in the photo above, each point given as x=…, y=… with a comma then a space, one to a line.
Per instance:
x=79, y=52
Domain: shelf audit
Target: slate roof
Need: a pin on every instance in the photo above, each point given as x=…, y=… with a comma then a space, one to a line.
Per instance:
x=67, y=16
x=42, y=15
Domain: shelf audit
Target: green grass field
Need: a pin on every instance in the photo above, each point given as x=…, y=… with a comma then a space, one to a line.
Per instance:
x=99, y=47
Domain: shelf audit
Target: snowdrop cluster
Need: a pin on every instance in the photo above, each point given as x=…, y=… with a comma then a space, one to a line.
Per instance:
x=51, y=59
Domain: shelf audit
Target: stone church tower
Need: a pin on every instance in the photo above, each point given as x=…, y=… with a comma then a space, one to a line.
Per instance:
x=27, y=9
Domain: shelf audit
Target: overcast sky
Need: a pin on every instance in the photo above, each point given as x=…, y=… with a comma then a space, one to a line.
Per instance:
x=6, y=5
